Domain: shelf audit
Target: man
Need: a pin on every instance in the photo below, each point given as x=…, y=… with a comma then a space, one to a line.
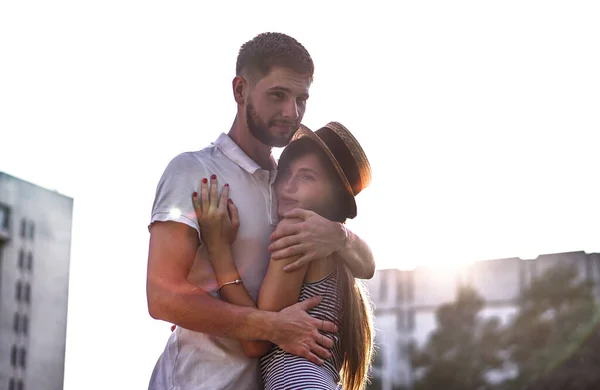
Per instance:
x=273, y=76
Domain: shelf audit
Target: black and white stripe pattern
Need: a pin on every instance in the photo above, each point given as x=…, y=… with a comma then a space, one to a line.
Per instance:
x=283, y=371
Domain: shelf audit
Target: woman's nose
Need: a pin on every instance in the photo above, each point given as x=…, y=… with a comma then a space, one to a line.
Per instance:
x=289, y=187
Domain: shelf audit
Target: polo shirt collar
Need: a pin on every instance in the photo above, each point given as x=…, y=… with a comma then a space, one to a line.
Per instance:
x=235, y=153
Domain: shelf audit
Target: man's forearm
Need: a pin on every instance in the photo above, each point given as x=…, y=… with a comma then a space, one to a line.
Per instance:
x=357, y=255
x=194, y=309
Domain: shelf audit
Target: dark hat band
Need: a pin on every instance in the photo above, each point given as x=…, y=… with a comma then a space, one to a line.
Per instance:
x=342, y=154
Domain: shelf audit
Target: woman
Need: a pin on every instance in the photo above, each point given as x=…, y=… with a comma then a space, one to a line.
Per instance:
x=321, y=171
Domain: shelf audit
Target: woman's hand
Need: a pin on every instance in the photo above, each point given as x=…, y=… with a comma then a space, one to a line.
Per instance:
x=217, y=215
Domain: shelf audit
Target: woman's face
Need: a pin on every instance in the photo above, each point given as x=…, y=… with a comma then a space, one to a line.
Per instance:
x=304, y=184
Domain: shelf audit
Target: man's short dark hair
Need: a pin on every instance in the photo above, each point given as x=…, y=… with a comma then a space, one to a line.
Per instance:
x=267, y=50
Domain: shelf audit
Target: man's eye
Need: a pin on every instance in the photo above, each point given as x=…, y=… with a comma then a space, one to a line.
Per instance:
x=307, y=177
x=278, y=95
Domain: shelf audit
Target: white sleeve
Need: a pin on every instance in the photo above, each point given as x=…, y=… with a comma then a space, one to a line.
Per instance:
x=173, y=200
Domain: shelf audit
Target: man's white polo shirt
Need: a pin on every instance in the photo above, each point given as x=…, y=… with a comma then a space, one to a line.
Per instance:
x=196, y=361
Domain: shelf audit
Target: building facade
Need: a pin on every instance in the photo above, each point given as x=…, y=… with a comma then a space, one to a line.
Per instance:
x=35, y=246
x=406, y=301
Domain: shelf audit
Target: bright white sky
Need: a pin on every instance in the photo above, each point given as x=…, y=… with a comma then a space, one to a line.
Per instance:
x=480, y=119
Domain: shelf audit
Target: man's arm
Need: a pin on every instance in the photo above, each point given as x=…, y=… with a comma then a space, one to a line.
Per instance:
x=173, y=299
x=317, y=237
x=358, y=256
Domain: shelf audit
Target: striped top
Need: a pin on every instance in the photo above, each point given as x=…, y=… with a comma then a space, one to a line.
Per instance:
x=281, y=370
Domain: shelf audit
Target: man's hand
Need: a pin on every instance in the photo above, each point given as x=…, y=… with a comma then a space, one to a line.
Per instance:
x=298, y=333
x=314, y=238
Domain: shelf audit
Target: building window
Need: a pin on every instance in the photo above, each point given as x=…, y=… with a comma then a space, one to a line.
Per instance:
x=4, y=217
x=21, y=323
x=31, y=230
x=410, y=287
x=20, y=385
x=21, y=259
x=23, y=292
x=22, y=357
x=23, y=228
x=17, y=323
x=29, y=261
x=27, y=293
x=11, y=384
x=400, y=321
x=411, y=319
x=25, y=324
x=13, y=356
x=400, y=285
x=19, y=290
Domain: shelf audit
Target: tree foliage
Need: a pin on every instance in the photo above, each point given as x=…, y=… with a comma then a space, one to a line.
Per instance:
x=462, y=349
x=553, y=312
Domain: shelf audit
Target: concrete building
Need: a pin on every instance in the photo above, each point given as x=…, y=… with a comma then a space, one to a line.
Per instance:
x=35, y=246
x=406, y=301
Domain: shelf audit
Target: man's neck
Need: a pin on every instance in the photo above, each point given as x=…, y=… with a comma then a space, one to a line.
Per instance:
x=256, y=150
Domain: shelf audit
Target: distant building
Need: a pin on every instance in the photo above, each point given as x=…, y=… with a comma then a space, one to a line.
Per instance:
x=35, y=246
x=406, y=301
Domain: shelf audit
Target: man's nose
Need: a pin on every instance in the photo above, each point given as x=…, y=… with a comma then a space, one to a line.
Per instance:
x=290, y=110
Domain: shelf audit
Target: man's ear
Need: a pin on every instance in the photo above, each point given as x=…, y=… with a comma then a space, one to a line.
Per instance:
x=240, y=89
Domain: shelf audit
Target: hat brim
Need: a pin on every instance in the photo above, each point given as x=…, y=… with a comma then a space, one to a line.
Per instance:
x=305, y=132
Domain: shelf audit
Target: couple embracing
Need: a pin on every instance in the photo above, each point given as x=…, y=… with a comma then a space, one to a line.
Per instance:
x=250, y=258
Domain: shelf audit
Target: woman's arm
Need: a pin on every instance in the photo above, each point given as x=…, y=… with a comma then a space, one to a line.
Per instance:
x=226, y=271
x=281, y=289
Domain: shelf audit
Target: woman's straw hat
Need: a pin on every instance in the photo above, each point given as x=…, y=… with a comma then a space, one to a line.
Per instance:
x=346, y=155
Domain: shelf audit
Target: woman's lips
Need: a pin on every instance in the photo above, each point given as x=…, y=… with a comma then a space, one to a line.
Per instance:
x=287, y=202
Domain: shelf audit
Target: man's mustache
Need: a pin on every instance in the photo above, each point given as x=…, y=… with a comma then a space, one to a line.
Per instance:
x=284, y=123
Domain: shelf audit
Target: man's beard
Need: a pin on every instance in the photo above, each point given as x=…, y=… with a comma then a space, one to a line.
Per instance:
x=260, y=130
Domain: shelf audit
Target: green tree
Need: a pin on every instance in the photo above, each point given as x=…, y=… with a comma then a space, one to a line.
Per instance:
x=553, y=313
x=462, y=349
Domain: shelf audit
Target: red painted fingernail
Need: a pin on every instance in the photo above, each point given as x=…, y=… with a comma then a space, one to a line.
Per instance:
x=230, y=201
x=213, y=177
x=205, y=180
x=195, y=194
x=227, y=185
x=173, y=328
